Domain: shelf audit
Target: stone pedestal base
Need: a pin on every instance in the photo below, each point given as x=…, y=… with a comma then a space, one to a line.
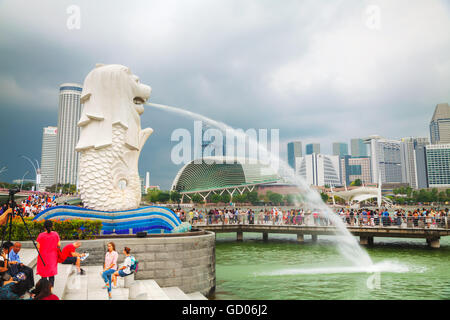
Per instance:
x=434, y=243
x=364, y=241
x=129, y=281
x=314, y=237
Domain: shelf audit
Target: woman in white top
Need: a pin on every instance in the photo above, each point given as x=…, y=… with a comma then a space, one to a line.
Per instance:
x=125, y=270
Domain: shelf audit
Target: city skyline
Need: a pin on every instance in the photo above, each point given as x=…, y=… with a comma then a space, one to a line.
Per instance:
x=268, y=72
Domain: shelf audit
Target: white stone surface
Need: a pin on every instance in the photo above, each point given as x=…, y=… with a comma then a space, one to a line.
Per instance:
x=111, y=138
x=128, y=280
x=154, y=291
x=175, y=293
x=196, y=296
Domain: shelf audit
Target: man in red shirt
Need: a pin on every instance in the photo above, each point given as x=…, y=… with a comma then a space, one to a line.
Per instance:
x=70, y=256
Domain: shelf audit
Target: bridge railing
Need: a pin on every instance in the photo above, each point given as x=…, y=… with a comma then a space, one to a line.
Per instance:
x=427, y=222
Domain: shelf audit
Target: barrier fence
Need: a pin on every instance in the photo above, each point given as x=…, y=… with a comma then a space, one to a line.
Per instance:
x=357, y=220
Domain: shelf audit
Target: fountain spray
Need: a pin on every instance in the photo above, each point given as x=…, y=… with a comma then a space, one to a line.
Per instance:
x=346, y=242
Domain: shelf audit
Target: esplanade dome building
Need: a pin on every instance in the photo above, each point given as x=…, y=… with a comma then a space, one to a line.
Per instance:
x=216, y=175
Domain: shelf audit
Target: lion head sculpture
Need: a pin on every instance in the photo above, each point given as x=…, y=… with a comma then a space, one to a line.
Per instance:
x=111, y=95
x=111, y=138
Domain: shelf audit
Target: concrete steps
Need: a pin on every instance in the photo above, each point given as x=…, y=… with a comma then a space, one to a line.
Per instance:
x=154, y=291
x=64, y=271
x=61, y=279
x=175, y=293
x=71, y=286
x=196, y=296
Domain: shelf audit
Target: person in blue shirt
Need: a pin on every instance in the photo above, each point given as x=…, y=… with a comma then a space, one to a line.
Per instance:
x=386, y=221
x=17, y=266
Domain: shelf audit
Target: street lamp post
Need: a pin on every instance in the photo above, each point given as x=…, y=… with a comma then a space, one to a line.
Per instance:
x=37, y=170
x=21, y=185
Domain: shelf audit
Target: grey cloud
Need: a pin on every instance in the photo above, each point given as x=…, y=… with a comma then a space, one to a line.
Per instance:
x=221, y=58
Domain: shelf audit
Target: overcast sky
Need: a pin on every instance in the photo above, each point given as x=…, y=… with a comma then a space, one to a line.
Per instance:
x=320, y=71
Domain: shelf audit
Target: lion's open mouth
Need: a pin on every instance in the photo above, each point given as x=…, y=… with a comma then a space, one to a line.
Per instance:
x=138, y=100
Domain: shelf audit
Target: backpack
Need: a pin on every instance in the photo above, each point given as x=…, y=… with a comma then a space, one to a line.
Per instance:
x=134, y=265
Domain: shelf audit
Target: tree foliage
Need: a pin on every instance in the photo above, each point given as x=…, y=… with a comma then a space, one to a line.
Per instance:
x=197, y=199
x=408, y=195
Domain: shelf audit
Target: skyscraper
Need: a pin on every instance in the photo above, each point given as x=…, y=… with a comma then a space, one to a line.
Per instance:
x=319, y=169
x=340, y=149
x=68, y=133
x=294, y=149
x=421, y=165
x=312, y=148
x=438, y=165
x=440, y=124
x=48, y=157
x=359, y=149
x=211, y=147
x=412, y=162
x=386, y=159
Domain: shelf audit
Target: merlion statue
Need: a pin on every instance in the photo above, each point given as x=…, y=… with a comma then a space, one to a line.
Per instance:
x=111, y=138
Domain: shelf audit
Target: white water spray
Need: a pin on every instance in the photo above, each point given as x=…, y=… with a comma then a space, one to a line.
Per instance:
x=346, y=242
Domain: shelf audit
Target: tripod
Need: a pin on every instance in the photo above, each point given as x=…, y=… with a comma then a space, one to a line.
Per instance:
x=9, y=220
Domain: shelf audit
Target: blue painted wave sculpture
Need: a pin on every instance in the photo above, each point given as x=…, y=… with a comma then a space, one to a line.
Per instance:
x=149, y=219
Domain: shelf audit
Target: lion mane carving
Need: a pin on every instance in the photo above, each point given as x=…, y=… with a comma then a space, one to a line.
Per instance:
x=111, y=138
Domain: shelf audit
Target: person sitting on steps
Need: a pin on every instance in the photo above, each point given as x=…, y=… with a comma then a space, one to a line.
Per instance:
x=125, y=270
x=70, y=256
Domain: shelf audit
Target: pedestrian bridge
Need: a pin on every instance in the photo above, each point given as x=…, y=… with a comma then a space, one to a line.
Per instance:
x=365, y=233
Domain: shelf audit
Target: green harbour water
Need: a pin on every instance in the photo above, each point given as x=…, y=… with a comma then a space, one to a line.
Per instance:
x=282, y=269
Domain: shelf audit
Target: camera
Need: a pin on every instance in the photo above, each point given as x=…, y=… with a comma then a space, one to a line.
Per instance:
x=13, y=191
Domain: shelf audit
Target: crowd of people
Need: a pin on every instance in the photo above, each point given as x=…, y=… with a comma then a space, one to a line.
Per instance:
x=422, y=218
x=30, y=206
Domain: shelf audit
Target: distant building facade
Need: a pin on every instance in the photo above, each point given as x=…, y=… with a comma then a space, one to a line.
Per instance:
x=421, y=166
x=69, y=113
x=210, y=146
x=340, y=149
x=313, y=148
x=48, y=157
x=413, y=161
x=440, y=124
x=386, y=162
x=358, y=148
x=353, y=168
x=294, y=150
x=319, y=169
x=438, y=165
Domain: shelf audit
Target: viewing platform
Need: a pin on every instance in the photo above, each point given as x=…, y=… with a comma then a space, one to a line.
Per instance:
x=71, y=286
